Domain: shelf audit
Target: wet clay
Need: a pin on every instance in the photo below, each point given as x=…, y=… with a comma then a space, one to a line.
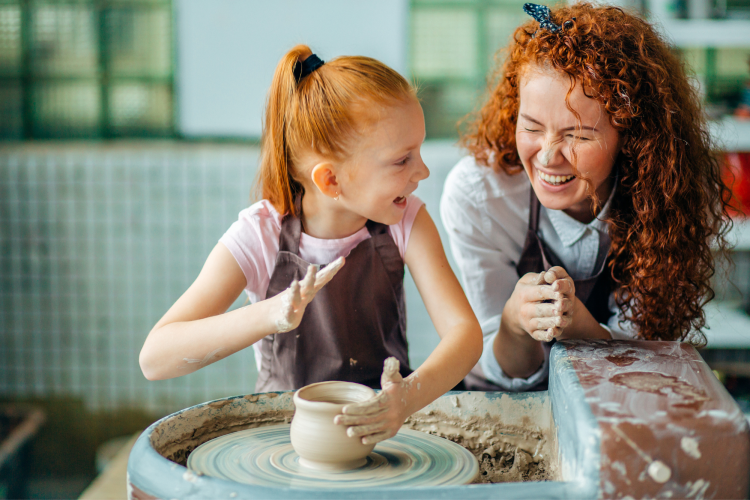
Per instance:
x=319, y=442
x=176, y=441
x=265, y=457
x=510, y=436
x=505, y=453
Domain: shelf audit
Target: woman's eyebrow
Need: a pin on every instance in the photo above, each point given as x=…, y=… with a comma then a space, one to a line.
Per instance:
x=527, y=117
x=567, y=129
x=582, y=127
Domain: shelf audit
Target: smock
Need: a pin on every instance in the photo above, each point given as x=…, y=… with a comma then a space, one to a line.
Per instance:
x=485, y=214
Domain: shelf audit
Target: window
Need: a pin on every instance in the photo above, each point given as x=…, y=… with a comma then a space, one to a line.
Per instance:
x=86, y=69
x=453, y=45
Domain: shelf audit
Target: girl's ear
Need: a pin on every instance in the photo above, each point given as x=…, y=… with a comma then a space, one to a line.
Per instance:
x=324, y=178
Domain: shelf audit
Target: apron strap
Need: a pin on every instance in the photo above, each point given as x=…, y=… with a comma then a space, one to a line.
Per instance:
x=534, y=206
x=376, y=228
x=291, y=229
x=584, y=286
x=534, y=209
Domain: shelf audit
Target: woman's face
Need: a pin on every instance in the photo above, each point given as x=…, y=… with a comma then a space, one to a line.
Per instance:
x=547, y=133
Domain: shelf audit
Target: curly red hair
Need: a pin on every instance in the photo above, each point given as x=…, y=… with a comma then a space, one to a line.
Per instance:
x=670, y=205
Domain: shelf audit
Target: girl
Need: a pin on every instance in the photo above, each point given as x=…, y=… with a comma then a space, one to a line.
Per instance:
x=340, y=160
x=610, y=230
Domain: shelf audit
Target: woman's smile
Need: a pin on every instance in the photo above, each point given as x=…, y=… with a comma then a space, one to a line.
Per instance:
x=555, y=180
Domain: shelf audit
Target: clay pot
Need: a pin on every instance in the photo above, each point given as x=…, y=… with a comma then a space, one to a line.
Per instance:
x=319, y=442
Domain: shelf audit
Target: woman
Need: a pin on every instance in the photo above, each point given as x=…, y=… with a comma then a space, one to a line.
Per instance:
x=609, y=233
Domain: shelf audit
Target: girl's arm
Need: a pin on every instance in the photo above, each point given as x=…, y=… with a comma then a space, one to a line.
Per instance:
x=458, y=351
x=196, y=331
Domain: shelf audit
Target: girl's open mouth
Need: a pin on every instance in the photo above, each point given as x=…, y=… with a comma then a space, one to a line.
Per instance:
x=556, y=180
x=400, y=200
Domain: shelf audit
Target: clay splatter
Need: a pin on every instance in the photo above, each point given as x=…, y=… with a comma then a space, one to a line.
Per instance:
x=659, y=471
x=206, y=359
x=622, y=360
x=657, y=383
x=191, y=476
x=690, y=446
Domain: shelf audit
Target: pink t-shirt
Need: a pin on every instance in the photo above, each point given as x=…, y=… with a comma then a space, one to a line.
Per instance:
x=254, y=242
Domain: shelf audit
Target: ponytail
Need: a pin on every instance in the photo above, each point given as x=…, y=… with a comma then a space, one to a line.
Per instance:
x=317, y=114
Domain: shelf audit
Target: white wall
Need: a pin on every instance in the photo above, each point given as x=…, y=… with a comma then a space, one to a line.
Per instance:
x=228, y=49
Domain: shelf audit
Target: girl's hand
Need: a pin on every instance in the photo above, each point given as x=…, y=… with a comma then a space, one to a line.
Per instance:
x=544, y=303
x=294, y=300
x=381, y=417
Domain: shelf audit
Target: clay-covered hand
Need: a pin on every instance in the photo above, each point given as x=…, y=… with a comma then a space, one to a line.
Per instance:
x=294, y=300
x=381, y=417
x=546, y=303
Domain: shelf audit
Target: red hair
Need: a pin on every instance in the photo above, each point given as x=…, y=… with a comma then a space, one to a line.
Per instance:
x=670, y=204
x=319, y=114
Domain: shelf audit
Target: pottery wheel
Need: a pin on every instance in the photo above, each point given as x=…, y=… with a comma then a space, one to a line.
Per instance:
x=264, y=456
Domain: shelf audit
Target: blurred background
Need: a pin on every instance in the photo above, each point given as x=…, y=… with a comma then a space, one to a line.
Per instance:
x=129, y=142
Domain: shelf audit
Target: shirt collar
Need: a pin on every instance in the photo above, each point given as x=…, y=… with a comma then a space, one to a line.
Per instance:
x=570, y=230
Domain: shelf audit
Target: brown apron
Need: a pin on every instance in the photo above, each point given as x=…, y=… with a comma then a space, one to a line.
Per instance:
x=351, y=326
x=594, y=291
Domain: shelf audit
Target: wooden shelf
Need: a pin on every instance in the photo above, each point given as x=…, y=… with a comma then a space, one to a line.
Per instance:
x=739, y=236
x=728, y=326
x=707, y=32
x=731, y=134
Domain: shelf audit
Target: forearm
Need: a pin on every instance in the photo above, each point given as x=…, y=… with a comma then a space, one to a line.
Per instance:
x=182, y=347
x=517, y=353
x=584, y=325
x=446, y=366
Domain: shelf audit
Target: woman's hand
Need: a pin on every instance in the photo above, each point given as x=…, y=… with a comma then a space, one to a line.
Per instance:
x=381, y=417
x=542, y=304
x=293, y=301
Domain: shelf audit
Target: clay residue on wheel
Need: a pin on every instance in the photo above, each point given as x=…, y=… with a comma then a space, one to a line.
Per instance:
x=176, y=437
x=505, y=453
x=179, y=449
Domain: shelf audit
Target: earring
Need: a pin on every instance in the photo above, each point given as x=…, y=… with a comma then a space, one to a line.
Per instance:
x=336, y=198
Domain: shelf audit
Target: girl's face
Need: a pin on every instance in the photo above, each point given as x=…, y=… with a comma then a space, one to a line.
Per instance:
x=546, y=134
x=385, y=165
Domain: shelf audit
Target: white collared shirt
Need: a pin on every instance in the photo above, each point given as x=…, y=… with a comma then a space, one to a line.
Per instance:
x=486, y=214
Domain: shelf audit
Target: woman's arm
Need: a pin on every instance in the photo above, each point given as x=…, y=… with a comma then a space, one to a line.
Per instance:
x=584, y=326
x=543, y=306
x=458, y=351
x=517, y=352
x=196, y=331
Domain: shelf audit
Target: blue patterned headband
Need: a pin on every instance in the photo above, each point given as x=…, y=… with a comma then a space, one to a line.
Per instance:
x=542, y=14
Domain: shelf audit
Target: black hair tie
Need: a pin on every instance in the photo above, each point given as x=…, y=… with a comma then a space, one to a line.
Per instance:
x=304, y=68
